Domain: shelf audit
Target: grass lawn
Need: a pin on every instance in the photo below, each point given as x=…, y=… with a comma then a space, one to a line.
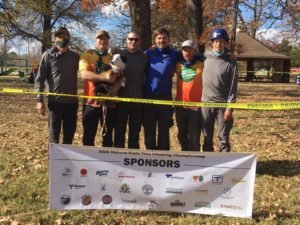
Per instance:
x=273, y=135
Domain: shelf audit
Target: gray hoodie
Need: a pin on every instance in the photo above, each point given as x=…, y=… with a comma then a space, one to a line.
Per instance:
x=220, y=79
x=58, y=74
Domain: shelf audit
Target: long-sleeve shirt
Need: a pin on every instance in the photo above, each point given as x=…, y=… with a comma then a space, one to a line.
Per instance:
x=58, y=74
x=88, y=61
x=220, y=79
x=189, y=90
x=162, y=64
x=135, y=74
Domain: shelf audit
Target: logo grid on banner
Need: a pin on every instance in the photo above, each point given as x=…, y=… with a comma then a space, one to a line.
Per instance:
x=84, y=177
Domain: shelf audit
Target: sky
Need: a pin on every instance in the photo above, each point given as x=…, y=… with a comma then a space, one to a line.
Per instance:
x=275, y=35
x=109, y=22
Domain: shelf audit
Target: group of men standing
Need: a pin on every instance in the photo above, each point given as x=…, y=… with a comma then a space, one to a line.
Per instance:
x=147, y=75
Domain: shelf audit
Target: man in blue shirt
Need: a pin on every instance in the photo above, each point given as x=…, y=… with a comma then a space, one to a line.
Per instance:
x=158, y=85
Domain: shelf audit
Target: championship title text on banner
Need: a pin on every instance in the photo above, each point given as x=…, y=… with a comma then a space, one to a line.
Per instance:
x=251, y=106
x=84, y=177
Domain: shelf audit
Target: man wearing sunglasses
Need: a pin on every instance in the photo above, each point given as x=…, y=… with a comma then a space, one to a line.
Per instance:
x=58, y=70
x=131, y=113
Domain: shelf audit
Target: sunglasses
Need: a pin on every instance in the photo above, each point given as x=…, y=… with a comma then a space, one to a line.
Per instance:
x=133, y=39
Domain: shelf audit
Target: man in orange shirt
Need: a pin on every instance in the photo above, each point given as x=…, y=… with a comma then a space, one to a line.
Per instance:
x=189, y=89
x=94, y=67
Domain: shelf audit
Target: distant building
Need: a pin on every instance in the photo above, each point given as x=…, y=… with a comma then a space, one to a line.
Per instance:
x=258, y=62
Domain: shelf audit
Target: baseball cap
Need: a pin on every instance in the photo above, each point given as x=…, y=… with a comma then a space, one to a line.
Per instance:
x=102, y=33
x=189, y=43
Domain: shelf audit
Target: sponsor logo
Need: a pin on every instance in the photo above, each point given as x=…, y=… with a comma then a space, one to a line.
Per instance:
x=106, y=199
x=83, y=172
x=149, y=175
x=103, y=187
x=124, y=188
x=86, y=199
x=198, y=179
x=123, y=175
x=177, y=203
x=147, y=189
x=65, y=199
x=231, y=207
x=129, y=200
x=217, y=179
x=174, y=190
x=202, y=205
x=66, y=172
x=201, y=192
x=169, y=175
x=76, y=186
x=153, y=205
x=237, y=180
x=102, y=173
x=227, y=193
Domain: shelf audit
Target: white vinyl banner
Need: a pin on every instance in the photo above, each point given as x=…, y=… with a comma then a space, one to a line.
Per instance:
x=83, y=177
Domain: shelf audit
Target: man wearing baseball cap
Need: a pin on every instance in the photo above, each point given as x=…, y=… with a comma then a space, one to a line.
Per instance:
x=58, y=74
x=102, y=33
x=94, y=67
x=189, y=89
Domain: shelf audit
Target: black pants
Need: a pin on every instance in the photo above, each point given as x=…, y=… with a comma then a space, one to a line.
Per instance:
x=91, y=117
x=159, y=116
x=131, y=113
x=189, y=128
x=65, y=115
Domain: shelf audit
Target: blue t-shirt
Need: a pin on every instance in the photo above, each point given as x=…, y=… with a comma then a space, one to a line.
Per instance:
x=162, y=63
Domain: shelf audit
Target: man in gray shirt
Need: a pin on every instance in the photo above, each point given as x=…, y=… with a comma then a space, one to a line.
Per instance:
x=219, y=85
x=58, y=74
x=131, y=113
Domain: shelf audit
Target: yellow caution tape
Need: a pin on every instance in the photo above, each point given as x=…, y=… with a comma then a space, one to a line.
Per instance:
x=267, y=72
x=254, y=105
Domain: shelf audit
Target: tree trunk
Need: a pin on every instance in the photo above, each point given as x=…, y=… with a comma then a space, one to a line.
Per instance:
x=255, y=19
x=250, y=69
x=140, y=16
x=195, y=21
x=46, y=39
